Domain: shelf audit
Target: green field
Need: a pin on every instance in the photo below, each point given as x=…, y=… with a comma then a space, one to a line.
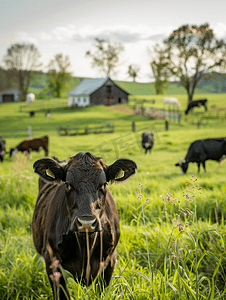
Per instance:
x=150, y=264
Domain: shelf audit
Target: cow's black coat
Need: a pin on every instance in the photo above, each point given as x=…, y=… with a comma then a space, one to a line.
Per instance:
x=202, y=150
x=198, y=103
x=75, y=204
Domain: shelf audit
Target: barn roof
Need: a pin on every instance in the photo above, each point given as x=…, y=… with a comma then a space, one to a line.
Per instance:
x=88, y=86
x=15, y=88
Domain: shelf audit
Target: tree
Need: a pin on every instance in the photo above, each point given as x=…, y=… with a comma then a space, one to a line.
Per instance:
x=159, y=65
x=20, y=62
x=106, y=56
x=7, y=79
x=133, y=71
x=194, y=51
x=58, y=74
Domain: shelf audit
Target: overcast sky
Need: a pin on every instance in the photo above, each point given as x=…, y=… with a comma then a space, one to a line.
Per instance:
x=70, y=27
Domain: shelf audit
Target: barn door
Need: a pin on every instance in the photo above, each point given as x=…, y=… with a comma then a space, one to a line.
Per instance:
x=8, y=98
x=108, y=100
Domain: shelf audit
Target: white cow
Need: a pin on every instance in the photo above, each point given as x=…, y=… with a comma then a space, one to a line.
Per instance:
x=30, y=97
x=171, y=101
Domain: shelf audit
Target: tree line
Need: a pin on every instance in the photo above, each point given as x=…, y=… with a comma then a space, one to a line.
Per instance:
x=189, y=54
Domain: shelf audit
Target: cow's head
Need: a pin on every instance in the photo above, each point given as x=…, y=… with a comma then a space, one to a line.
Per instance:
x=13, y=151
x=84, y=179
x=183, y=164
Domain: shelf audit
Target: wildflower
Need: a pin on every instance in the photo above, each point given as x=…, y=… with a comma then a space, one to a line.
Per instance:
x=56, y=277
x=55, y=264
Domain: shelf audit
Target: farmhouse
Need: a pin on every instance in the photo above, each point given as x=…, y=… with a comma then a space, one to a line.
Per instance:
x=97, y=91
x=10, y=95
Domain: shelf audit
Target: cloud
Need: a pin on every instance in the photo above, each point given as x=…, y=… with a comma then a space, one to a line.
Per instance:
x=123, y=34
x=25, y=37
x=117, y=34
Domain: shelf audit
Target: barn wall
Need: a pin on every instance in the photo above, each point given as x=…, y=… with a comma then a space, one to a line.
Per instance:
x=79, y=101
x=103, y=97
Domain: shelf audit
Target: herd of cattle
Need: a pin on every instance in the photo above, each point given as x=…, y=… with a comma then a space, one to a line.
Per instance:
x=199, y=151
x=172, y=101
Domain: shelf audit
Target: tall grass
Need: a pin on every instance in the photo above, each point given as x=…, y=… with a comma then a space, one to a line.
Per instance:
x=150, y=264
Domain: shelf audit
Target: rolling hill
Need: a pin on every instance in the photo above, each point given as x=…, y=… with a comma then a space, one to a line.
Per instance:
x=215, y=85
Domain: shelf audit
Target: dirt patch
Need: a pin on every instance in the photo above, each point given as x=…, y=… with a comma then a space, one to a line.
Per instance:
x=126, y=110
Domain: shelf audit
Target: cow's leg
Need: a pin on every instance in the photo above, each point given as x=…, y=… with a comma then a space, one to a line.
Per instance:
x=46, y=151
x=57, y=282
x=146, y=151
x=204, y=165
x=105, y=277
x=198, y=167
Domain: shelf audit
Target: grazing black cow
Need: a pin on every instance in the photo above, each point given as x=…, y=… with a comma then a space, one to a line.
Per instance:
x=2, y=149
x=198, y=103
x=75, y=223
x=32, y=145
x=202, y=150
x=147, y=141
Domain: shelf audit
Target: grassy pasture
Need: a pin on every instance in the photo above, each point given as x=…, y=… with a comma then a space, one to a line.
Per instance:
x=149, y=265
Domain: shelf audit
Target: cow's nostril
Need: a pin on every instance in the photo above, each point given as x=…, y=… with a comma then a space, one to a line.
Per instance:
x=79, y=224
x=86, y=224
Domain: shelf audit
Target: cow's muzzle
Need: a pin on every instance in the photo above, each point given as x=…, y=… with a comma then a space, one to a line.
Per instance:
x=85, y=224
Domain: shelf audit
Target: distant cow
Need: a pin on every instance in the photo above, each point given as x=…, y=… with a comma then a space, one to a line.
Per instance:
x=32, y=145
x=198, y=103
x=171, y=101
x=32, y=113
x=75, y=223
x=202, y=150
x=2, y=149
x=147, y=141
x=30, y=97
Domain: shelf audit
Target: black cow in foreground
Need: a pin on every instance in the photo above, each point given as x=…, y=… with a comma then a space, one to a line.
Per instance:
x=32, y=145
x=198, y=103
x=147, y=141
x=2, y=149
x=75, y=223
x=202, y=150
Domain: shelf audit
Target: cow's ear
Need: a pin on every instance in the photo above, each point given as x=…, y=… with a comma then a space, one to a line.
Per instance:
x=177, y=164
x=49, y=169
x=120, y=170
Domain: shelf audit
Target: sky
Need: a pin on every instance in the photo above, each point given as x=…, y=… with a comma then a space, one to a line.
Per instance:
x=71, y=26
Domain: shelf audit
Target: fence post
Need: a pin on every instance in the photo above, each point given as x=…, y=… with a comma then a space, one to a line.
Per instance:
x=29, y=131
x=133, y=127
x=166, y=125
